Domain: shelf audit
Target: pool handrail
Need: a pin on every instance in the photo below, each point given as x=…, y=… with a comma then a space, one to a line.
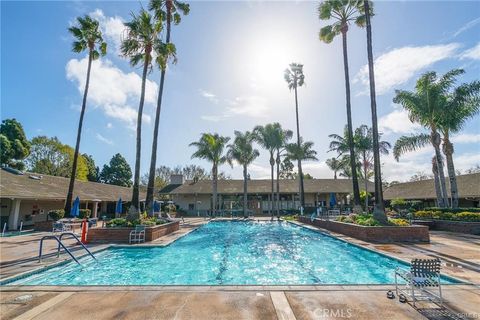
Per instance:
x=78, y=240
x=59, y=244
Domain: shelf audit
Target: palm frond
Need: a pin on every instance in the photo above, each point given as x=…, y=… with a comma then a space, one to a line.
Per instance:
x=406, y=144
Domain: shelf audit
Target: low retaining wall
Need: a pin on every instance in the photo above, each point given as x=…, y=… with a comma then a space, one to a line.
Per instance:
x=453, y=226
x=374, y=234
x=121, y=235
x=48, y=226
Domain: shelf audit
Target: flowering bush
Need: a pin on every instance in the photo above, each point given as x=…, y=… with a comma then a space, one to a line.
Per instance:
x=437, y=214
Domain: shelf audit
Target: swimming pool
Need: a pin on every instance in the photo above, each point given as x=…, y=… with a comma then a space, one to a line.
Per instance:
x=230, y=253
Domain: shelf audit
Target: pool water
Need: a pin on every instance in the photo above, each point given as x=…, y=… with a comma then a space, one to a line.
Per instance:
x=230, y=253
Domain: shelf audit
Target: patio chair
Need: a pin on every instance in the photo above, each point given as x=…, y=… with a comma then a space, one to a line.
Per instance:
x=137, y=235
x=423, y=275
x=172, y=219
x=61, y=227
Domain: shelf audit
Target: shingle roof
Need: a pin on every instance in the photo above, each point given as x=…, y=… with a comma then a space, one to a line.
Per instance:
x=26, y=186
x=264, y=186
x=468, y=187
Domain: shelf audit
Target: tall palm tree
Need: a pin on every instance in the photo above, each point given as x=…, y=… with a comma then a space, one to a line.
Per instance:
x=266, y=137
x=304, y=152
x=343, y=13
x=87, y=37
x=379, y=208
x=211, y=147
x=242, y=151
x=423, y=106
x=282, y=138
x=295, y=78
x=366, y=147
x=457, y=107
x=168, y=10
x=140, y=42
x=335, y=165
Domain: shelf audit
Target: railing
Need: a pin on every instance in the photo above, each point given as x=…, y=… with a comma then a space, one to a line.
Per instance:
x=61, y=245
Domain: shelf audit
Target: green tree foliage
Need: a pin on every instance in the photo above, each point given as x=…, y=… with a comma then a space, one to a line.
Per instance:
x=93, y=170
x=50, y=156
x=14, y=145
x=117, y=172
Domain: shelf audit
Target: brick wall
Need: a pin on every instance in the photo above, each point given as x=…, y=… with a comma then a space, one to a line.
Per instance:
x=452, y=226
x=374, y=234
x=121, y=235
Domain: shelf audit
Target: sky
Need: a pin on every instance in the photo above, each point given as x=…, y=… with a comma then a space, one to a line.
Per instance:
x=229, y=76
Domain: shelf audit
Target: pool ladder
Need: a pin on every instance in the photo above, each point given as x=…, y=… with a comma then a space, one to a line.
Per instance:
x=60, y=244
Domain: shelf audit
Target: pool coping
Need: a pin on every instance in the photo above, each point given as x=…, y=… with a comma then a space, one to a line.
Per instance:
x=4, y=282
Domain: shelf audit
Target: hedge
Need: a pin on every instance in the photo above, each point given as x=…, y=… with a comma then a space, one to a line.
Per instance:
x=453, y=210
x=439, y=215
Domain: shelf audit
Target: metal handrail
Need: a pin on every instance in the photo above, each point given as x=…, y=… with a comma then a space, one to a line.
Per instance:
x=59, y=244
x=78, y=240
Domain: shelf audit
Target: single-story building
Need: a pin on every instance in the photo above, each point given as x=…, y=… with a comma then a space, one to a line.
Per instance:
x=424, y=190
x=28, y=197
x=195, y=197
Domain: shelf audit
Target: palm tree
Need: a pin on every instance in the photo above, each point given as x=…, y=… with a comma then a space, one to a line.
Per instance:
x=335, y=165
x=304, y=152
x=242, y=151
x=87, y=37
x=210, y=147
x=365, y=146
x=141, y=41
x=343, y=13
x=424, y=106
x=457, y=107
x=295, y=78
x=266, y=137
x=379, y=208
x=168, y=10
x=282, y=138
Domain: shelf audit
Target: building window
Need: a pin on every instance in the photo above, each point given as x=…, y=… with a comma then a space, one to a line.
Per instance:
x=191, y=206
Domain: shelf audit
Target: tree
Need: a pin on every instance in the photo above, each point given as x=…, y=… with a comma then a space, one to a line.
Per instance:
x=424, y=106
x=379, y=208
x=282, y=138
x=335, y=165
x=14, y=145
x=456, y=108
x=87, y=36
x=304, y=152
x=141, y=41
x=343, y=13
x=295, y=78
x=266, y=136
x=474, y=169
x=194, y=172
x=211, y=147
x=93, y=170
x=117, y=172
x=286, y=169
x=420, y=176
x=168, y=11
x=50, y=156
x=242, y=152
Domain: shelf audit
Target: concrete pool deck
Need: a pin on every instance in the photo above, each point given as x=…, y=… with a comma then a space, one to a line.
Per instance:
x=19, y=254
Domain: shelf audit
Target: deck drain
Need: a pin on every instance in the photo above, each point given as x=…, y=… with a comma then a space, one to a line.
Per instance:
x=23, y=298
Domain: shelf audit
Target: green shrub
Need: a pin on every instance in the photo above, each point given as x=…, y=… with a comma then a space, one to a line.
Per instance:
x=56, y=214
x=468, y=216
x=399, y=222
x=84, y=213
x=117, y=222
x=445, y=215
x=290, y=217
x=453, y=210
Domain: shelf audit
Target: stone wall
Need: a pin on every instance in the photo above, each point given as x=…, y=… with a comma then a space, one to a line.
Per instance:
x=121, y=235
x=452, y=226
x=381, y=234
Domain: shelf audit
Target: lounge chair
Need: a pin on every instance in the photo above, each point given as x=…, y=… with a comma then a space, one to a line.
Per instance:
x=137, y=235
x=172, y=219
x=423, y=274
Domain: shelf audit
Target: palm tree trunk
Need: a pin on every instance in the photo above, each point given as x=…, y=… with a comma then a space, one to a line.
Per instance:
x=214, y=187
x=448, y=151
x=278, y=185
x=365, y=182
x=68, y=203
x=435, y=139
x=300, y=172
x=153, y=159
x=272, y=199
x=136, y=177
x=245, y=191
x=436, y=181
x=356, y=190
x=379, y=207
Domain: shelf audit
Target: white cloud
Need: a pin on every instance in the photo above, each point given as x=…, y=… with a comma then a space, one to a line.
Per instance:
x=103, y=139
x=472, y=53
x=214, y=118
x=318, y=170
x=109, y=125
x=399, y=65
x=467, y=26
x=259, y=171
x=115, y=92
x=208, y=95
x=112, y=28
x=466, y=138
x=252, y=106
x=397, y=121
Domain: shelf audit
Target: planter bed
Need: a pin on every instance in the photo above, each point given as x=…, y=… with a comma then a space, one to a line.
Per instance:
x=121, y=235
x=381, y=234
x=469, y=227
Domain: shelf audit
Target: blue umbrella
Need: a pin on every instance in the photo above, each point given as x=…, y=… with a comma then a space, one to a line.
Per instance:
x=333, y=200
x=156, y=206
x=118, y=208
x=76, y=208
